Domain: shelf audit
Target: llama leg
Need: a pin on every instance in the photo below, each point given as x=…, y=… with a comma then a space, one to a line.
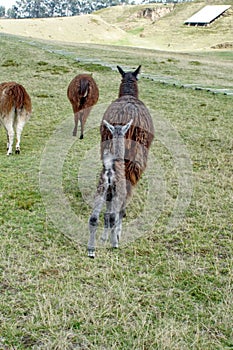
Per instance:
x=114, y=218
x=82, y=122
x=118, y=228
x=93, y=224
x=8, y=142
x=10, y=137
x=8, y=122
x=83, y=118
x=19, y=128
x=104, y=237
x=119, y=204
x=76, y=119
x=116, y=224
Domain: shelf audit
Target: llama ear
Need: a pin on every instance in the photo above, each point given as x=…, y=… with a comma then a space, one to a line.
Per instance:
x=122, y=73
x=109, y=126
x=127, y=126
x=137, y=71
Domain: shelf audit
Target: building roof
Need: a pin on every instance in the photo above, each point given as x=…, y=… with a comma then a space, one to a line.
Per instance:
x=207, y=14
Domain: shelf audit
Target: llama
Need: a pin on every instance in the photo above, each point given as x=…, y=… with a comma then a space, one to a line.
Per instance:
x=111, y=190
x=15, y=110
x=141, y=133
x=83, y=93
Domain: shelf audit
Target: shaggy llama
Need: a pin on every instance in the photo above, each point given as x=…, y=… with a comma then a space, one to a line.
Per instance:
x=15, y=110
x=83, y=93
x=141, y=132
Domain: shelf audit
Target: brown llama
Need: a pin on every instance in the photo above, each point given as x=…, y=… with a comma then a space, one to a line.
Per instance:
x=15, y=110
x=141, y=133
x=83, y=93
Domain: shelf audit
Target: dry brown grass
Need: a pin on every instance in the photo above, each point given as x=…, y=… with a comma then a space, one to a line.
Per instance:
x=88, y=28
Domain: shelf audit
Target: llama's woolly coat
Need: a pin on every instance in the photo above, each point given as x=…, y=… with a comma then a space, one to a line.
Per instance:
x=83, y=94
x=138, y=138
x=15, y=110
x=13, y=95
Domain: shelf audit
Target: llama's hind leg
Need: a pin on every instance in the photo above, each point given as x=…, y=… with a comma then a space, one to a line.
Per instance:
x=84, y=113
x=104, y=237
x=76, y=119
x=93, y=224
x=107, y=226
x=8, y=125
x=114, y=219
x=19, y=128
x=10, y=139
x=117, y=229
x=82, y=123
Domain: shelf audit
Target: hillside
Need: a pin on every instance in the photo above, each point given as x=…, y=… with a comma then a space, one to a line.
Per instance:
x=82, y=29
x=166, y=30
x=153, y=26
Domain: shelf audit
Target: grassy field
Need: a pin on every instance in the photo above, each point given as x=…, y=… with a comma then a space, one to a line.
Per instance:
x=169, y=286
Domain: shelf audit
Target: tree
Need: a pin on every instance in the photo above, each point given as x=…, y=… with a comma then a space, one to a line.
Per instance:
x=52, y=8
x=74, y=8
x=20, y=9
x=2, y=11
x=12, y=12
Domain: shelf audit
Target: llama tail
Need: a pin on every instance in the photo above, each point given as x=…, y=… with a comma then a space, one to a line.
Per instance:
x=84, y=87
x=18, y=97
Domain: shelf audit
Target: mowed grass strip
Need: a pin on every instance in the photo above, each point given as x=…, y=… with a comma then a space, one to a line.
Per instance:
x=166, y=290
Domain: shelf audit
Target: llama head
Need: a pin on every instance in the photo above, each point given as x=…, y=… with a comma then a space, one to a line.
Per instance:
x=128, y=75
x=128, y=84
x=118, y=130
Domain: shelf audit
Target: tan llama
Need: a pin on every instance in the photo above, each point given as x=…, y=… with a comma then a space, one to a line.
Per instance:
x=15, y=110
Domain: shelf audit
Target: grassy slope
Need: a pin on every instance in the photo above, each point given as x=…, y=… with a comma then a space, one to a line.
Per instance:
x=169, y=32
x=120, y=26
x=87, y=28
x=165, y=290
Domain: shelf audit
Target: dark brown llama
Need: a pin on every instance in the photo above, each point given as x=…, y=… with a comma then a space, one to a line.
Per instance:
x=15, y=110
x=83, y=93
x=141, y=133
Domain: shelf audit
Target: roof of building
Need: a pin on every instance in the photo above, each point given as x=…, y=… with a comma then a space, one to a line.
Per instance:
x=207, y=14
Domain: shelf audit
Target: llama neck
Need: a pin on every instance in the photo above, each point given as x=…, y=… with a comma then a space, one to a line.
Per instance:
x=119, y=147
x=128, y=87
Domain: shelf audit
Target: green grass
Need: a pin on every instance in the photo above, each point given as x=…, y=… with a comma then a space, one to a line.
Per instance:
x=136, y=31
x=172, y=287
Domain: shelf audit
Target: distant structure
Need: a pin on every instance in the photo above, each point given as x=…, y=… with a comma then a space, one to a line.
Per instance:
x=207, y=15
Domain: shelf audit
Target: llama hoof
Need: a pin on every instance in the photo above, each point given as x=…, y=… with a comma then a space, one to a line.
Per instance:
x=74, y=133
x=81, y=137
x=115, y=246
x=17, y=151
x=91, y=253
